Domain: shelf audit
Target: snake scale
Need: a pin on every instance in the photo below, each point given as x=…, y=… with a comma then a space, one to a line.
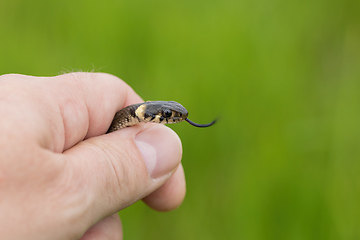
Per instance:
x=152, y=111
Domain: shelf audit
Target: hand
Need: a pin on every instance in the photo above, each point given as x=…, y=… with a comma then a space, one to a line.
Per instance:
x=61, y=177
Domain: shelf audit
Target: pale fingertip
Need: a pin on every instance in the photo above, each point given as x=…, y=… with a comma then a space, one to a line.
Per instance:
x=108, y=228
x=170, y=195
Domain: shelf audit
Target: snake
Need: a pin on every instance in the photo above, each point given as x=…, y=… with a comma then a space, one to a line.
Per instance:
x=152, y=111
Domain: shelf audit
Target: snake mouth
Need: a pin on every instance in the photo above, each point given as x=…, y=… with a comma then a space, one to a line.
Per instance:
x=176, y=119
x=160, y=119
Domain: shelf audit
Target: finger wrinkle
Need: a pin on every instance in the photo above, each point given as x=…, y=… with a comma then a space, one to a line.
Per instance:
x=127, y=166
x=126, y=179
x=75, y=118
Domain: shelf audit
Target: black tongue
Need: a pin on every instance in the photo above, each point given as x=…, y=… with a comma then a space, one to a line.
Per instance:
x=200, y=125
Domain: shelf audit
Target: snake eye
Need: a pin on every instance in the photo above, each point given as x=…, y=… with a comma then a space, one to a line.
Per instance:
x=166, y=113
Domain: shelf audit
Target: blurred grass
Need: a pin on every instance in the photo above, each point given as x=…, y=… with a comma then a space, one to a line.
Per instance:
x=283, y=162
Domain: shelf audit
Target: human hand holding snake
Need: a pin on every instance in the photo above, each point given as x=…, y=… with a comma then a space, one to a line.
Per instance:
x=61, y=177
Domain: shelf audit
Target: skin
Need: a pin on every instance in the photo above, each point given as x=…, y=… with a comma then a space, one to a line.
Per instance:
x=61, y=177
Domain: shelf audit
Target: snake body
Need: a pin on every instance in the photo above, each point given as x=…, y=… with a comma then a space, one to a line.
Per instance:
x=152, y=111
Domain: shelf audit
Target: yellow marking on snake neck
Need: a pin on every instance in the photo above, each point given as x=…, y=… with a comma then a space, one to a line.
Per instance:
x=140, y=111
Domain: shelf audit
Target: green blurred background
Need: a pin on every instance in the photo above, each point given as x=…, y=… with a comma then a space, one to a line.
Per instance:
x=284, y=76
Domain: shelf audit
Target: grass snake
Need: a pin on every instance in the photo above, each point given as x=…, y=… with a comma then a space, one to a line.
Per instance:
x=152, y=111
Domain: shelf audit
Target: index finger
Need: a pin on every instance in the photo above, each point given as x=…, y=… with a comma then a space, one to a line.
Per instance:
x=58, y=112
x=88, y=103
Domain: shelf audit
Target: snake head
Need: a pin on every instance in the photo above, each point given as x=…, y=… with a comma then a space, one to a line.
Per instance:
x=162, y=112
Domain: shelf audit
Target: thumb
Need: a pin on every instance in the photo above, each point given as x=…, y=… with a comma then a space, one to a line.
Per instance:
x=122, y=167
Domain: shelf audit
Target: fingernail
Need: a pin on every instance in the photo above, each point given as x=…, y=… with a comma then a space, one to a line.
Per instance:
x=160, y=148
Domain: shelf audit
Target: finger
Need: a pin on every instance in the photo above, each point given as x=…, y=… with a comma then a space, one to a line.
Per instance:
x=170, y=195
x=98, y=97
x=113, y=171
x=58, y=112
x=108, y=228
